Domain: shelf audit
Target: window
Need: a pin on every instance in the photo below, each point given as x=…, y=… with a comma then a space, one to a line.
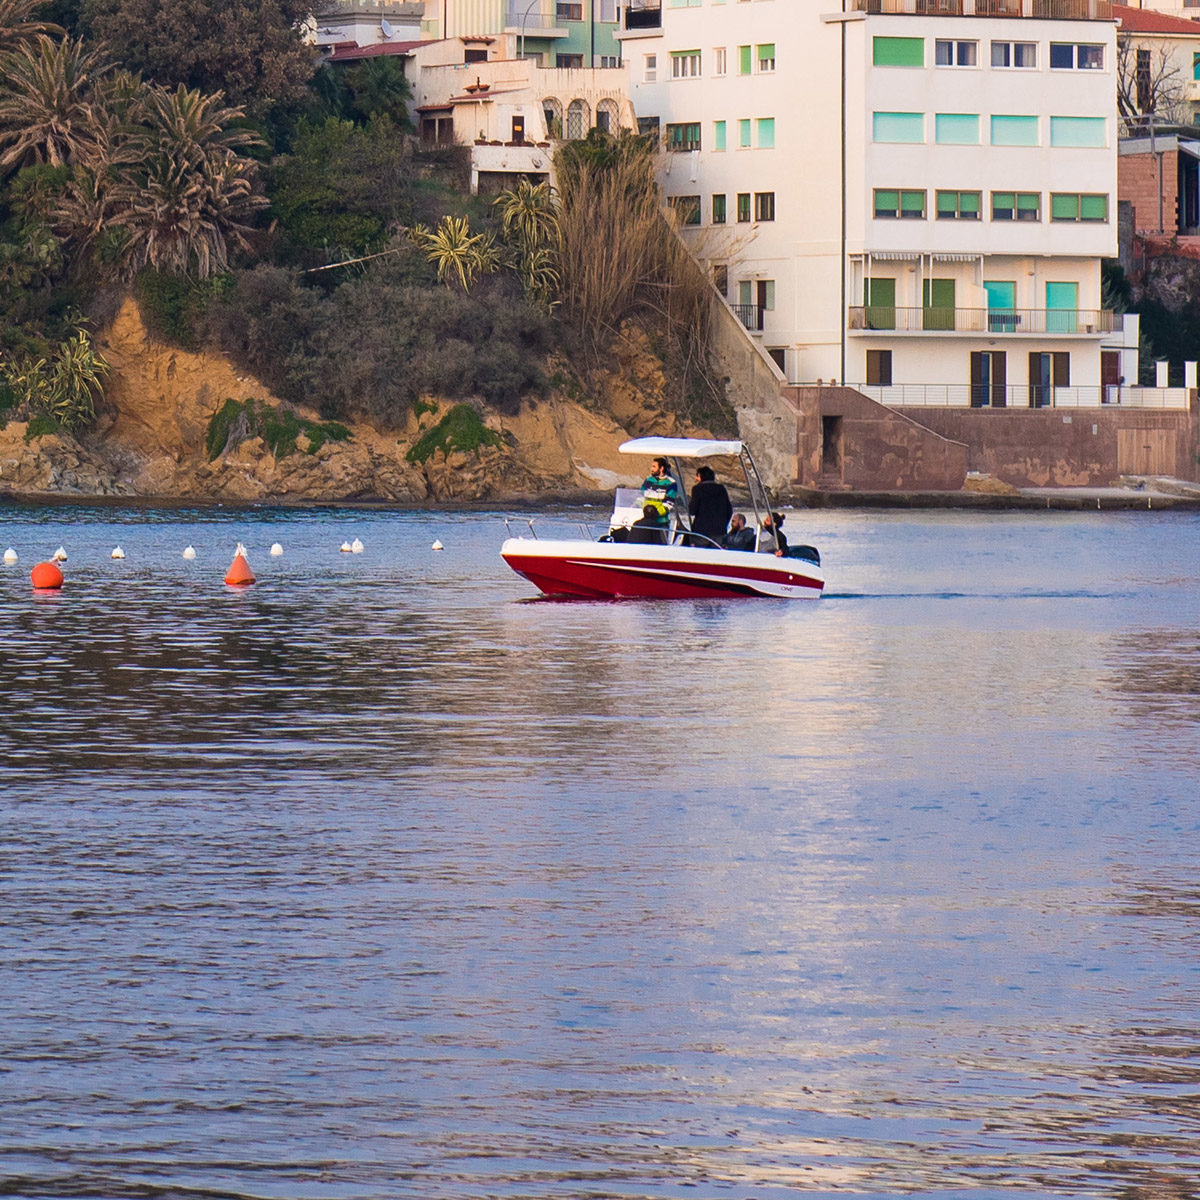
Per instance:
x=766, y=58
x=879, y=367
x=1143, y=80
x=610, y=60
x=743, y=60
x=1002, y=305
x=1078, y=206
x=1195, y=66
x=958, y=206
x=719, y=60
x=687, y=209
x=956, y=129
x=1014, y=131
x=743, y=207
x=1016, y=206
x=684, y=136
x=898, y=52
x=766, y=133
x=1077, y=131
x=566, y=11
x=648, y=127
x=744, y=133
x=718, y=135
x=1062, y=307
x=1022, y=55
x=906, y=205
x=569, y=60
x=718, y=209
x=650, y=70
x=720, y=276
x=1080, y=56
x=879, y=300
x=685, y=64
x=579, y=120
x=608, y=11
x=898, y=127
x=947, y=53
x=764, y=206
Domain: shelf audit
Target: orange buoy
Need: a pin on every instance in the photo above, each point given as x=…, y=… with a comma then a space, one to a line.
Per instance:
x=239, y=573
x=46, y=575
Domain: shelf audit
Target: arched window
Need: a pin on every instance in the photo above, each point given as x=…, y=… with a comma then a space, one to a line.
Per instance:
x=552, y=110
x=608, y=116
x=578, y=122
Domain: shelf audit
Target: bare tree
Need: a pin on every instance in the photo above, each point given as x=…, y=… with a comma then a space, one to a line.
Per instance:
x=1150, y=87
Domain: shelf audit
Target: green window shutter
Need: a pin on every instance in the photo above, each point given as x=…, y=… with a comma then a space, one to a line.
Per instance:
x=766, y=133
x=743, y=60
x=766, y=51
x=887, y=202
x=1093, y=208
x=718, y=208
x=947, y=204
x=1028, y=202
x=745, y=292
x=769, y=294
x=898, y=52
x=898, y=127
x=1062, y=295
x=1014, y=131
x=1004, y=200
x=957, y=129
x=969, y=204
x=1078, y=131
x=881, y=293
x=1064, y=206
x=912, y=202
x=744, y=132
x=719, y=135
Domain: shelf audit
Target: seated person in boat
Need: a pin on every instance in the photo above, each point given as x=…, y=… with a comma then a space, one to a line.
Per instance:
x=740, y=535
x=660, y=489
x=770, y=537
x=649, y=529
x=709, y=508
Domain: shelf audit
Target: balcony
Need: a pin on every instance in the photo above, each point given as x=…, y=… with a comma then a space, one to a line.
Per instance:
x=877, y=318
x=643, y=14
x=1061, y=10
x=1023, y=396
x=750, y=315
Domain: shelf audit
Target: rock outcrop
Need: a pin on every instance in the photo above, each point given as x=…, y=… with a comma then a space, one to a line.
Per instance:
x=149, y=441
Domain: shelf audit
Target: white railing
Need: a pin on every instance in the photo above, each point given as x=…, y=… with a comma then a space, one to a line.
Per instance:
x=965, y=395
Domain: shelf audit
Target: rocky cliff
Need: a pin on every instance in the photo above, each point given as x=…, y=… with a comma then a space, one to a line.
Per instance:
x=150, y=439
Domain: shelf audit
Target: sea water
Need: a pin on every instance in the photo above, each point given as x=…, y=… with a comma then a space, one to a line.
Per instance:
x=384, y=877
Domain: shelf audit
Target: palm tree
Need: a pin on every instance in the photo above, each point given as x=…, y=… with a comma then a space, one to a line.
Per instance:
x=378, y=86
x=48, y=103
x=183, y=193
x=529, y=222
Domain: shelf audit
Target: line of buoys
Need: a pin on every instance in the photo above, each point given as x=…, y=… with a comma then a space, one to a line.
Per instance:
x=10, y=556
x=345, y=547
x=118, y=552
x=60, y=555
x=46, y=577
x=356, y=547
x=276, y=549
x=239, y=573
x=189, y=552
x=437, y=546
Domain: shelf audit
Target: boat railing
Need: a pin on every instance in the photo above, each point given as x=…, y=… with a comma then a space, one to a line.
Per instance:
x=528, y=521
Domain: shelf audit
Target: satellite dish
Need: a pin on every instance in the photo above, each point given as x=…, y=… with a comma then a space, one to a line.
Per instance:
x=386, y=29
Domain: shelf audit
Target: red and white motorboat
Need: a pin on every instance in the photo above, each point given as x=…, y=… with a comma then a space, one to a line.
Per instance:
x=687, y=566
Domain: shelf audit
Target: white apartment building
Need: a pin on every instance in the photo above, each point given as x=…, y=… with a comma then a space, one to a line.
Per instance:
x=913, y=196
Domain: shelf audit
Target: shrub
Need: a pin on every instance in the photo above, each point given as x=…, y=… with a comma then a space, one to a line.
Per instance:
x=460, y=429
x=40, y=425
x=279, y=427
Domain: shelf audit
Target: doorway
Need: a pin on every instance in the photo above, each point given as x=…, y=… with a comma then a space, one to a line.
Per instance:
x=831, y=446
x=989, y=379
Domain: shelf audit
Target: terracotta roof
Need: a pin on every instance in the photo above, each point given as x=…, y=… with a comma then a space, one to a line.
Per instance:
x=1146, y=20
x=349, y=52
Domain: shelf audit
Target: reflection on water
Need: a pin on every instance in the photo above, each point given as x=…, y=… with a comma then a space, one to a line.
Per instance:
x=380, y=879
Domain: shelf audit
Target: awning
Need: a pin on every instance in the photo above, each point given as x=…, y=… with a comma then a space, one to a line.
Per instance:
x=679, y=447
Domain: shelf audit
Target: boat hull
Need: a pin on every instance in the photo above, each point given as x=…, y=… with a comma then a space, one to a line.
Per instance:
x=619, y=570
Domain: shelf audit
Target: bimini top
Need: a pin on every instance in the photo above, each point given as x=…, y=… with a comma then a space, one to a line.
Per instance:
x=680, y=447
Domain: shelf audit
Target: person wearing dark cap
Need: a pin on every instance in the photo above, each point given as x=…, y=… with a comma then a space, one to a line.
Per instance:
x=709, y=508
x=649, y=530
x=770, y=537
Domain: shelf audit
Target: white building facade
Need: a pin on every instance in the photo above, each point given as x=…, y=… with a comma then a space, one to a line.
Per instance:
x=914, y=203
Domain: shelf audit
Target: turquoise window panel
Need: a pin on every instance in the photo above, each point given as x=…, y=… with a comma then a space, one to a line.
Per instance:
x=719, y=135
x=898, y=127
x=1001, y=294
x=1014, y=131
x=766, y=133
x=956, y=129
x=1089, y=132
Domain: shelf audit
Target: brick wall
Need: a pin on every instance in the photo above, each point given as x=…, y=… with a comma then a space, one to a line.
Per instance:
x=1137, y=185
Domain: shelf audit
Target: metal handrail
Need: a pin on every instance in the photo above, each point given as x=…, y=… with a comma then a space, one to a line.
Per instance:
x=1071, y=10
x=894, y=319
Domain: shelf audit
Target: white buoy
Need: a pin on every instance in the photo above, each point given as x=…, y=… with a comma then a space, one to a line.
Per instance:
x=356, y=547
x=10, y=555
x=276, y=549
x=60, y=555
x=118, y=552
x=437, y=546
x=189, y=552
x=345, y=547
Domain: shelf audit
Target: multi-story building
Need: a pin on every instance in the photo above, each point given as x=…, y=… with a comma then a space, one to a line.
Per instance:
x=913, y=196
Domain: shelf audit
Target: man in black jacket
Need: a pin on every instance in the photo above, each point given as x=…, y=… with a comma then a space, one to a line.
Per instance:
x=709, y=508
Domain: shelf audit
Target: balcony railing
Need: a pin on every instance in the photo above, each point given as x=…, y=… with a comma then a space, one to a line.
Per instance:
x=887, y=319
x=643, y=14
x=1023, y=396
x=750, y=315
x=1062, y=10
